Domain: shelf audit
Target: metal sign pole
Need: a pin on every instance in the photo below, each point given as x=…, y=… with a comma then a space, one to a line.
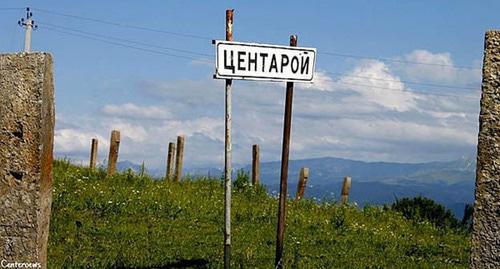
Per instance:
x=227, y=154
x=284, y=168
x=253, y=61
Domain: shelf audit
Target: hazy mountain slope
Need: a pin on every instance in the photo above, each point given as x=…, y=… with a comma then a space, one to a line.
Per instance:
x=449, y=183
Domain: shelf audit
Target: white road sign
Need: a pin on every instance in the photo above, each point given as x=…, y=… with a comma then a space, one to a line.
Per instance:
x=236, y=60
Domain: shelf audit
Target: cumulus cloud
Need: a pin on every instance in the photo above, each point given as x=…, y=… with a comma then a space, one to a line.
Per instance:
x=321, y=82
x=75, y=143
x=375, y=83
x=71, y=140
x=369, y=113
x=133, y=131
x=436, y=67
x=209, y=127
x=130, y=110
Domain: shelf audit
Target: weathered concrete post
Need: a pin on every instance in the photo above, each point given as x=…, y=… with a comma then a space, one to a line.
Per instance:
x=26, y=143
x=485, y=245
x=93, y=153
x=301, y=186
x=114, y=145
x=346, y=186
x=255, y=165
x=179, y=158
x=170, y=161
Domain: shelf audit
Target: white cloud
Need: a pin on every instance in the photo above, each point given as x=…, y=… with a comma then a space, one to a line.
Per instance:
x=393, y=130
x=436, y=67
x=133, y=131
x=69, y=140
x=321, y=82
x=130, y=110
x=369, y=114
x=75, y=143
x=375, y=83
x=209, y=127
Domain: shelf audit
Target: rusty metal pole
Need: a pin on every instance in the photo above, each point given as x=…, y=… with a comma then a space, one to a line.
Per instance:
x=255, y=165
x=227, y=154
x=93, y=154
x=346, y=186
x=170, y=161
x=284, y=168
x=114, y=145
x=301, y=186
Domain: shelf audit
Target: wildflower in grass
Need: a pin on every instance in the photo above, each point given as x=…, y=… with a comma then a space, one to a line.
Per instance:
x=190, y=220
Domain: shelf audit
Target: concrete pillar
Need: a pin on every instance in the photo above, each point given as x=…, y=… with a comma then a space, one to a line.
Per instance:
x=486, y=224
x=26, y=142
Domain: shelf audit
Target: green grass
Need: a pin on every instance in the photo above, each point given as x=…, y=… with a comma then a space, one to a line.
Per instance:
x=128, y=221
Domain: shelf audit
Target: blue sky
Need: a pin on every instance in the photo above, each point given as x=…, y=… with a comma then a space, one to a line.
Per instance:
x=359, y=108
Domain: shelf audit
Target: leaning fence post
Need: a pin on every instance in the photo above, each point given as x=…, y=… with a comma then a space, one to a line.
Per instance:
x=345, y=190
x=255, y=165
x=114, y=145
x=301, y=186
x=170, y=161
x=93, y=153
x=179, y=158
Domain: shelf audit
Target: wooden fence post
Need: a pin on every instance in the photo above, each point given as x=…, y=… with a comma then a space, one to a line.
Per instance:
x=179, y=158
x=114, y=145
x=301, y=186
x=255, y=165
x=93, y=153
x=143, y=169
x=345, y=190
x=170, y=161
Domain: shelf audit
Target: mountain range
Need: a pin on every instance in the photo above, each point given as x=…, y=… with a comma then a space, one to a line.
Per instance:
x=449, y=183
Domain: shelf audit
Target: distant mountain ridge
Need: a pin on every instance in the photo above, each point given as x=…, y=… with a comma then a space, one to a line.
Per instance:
x=328, y=169
x=450, y=183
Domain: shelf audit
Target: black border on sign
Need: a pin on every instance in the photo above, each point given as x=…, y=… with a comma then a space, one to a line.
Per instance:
x=231, y=43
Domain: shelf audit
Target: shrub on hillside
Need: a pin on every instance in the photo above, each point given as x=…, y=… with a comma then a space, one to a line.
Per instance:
x=467, y=218
x=242, y=184
x=423, y=209
x=242, y=181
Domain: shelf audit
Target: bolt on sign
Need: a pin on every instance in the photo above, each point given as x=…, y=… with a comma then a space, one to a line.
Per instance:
x=236, y=60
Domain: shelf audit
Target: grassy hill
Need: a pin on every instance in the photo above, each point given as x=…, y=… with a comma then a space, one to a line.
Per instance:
x=450, y=183
x=128, y=221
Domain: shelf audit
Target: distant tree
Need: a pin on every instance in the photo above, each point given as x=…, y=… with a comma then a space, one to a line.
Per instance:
x=467, y=219
x=242, y=184
x=242, y=181
x=420, y=209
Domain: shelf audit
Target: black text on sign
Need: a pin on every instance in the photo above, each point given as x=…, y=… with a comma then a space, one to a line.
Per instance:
x=235, y=60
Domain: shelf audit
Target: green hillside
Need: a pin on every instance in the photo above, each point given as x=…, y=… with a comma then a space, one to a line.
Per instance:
x=129, y=221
